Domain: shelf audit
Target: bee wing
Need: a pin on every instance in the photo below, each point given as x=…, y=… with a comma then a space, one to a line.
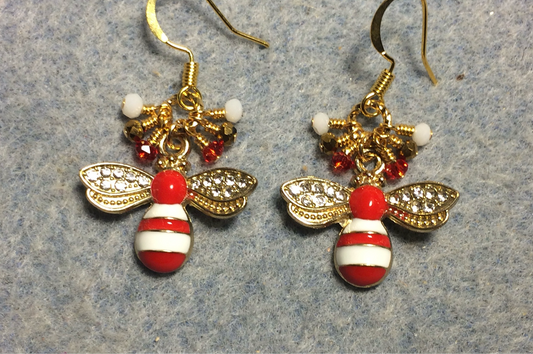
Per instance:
x=421, y=206
x=316, y=202
x=222, y=192
x=115, y=187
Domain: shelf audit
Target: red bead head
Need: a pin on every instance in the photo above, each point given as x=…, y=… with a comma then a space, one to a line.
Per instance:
x=169, y=187
x=368, y=202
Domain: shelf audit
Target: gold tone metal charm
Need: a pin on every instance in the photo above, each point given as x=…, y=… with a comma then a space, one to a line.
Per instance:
x=363, y=252
x=164, y=238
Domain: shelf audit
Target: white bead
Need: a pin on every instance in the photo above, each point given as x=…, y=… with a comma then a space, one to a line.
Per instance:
x=233, y=110
x=132, y=105
x=422, y=134
x=321, y=123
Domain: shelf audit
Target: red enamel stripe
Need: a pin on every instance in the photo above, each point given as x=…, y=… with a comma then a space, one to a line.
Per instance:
x=162, y=262
x=165, y=224
x=362, y=276
x=358, y=238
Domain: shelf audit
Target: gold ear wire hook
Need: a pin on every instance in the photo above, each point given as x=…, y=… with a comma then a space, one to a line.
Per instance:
x=158, y=32
x=375, y=36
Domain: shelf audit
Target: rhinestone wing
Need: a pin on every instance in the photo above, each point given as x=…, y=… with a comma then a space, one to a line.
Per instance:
x=421, y=206
x=316, y=202
x=116, y=188
x=220, y=193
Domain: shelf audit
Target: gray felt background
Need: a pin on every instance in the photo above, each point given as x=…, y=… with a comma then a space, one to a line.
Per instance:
x=260, y=283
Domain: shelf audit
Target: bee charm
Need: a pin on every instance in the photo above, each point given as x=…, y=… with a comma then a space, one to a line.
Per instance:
x=164, y=238
x=363, y=252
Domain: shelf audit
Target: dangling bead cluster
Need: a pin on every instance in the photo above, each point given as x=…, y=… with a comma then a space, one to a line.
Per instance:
x=387, y=147
x=157, y=135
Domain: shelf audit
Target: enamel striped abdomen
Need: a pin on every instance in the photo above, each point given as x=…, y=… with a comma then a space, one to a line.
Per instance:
x=363, y=253
x=164, y=238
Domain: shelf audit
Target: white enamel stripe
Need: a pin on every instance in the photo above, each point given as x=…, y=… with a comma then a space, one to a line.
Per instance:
x=362, y=225
x=363, y=255
x=162, y=241
x=174, y=211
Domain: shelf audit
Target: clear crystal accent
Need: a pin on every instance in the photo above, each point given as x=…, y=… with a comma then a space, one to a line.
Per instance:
x=406, y=196
x=120, y=186
x=340, y=195
x=215, y=193
x=319, y=200
x=118, y=173
x=429, y=207
x=330, y=192
x=317, y=188
x=306, y=186
x=230, y=180
x=144, y=182
x=242, y=183
x=441, y=197
x=105, y=184
x=295, y=190
x=105, y=172
x=430, y=193
x=218, y=179
x=418, y=192
x=227, y=192
x=415, y=207
x=195, y=184
x=394, y=199
x=130, y=177
x=306, y=201
x=92, y=175
x=207, y=182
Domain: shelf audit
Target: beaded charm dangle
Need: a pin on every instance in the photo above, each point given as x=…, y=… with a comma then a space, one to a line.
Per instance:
x=363, y=253
x=164, y=238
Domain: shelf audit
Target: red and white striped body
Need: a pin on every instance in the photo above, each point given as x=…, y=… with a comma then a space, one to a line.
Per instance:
x=363, y=254
x=164, y=238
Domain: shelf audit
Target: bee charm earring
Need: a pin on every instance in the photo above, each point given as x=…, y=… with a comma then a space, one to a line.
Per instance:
x=363, y=253
x=164, y=238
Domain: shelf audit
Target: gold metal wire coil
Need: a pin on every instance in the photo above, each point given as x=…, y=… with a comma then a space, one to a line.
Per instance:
x=216, y=113
x=190, y=74
x=396, y=141
x=165, y=114
x=344, y=140
x=338, y=123
x=387, y=155
x=157, y=135
x=150, y=122
x=209, y=127
x=404, y=129
x=351, y=147
x=201, y=140
x=148, y=110
x=383, y=83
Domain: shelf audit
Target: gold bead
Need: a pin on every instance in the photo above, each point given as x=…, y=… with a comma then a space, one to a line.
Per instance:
x=133, y=130
x=328, y=143
x=227, y=133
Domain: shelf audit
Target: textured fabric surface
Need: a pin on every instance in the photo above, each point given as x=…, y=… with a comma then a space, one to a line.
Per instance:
x=259, y=282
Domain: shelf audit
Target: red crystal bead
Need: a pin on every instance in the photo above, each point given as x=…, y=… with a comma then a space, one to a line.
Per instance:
x=213, y=151
x=341, y=162
x=396, y=170
x=145, y=151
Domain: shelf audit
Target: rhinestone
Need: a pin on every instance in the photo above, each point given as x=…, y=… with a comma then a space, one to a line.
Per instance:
x=130, y=177
x=92, y=175
x=207, y=182
x=406, y=196
x=441, y=197
x=340, y=196
x=295, y=190
x=430, y=193
x=418, y=192
x=415, y=207
x=227, y=192
x=105, y=185
x=143, y=181
x=429, y=207
x=330, y=192
x=319, y=200
x=306, y=201
x=306, y=186
x=118, y=173
x=230, y=180
x=218, y=179
x=195, y=184
x=215, y=193
x=394, y=199
x=242, y=183
x=105, y=172
x=317, y=188
x=120, y=186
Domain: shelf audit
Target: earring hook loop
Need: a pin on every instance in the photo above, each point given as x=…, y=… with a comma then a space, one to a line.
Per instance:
x=375, y=36
x=158, y=32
